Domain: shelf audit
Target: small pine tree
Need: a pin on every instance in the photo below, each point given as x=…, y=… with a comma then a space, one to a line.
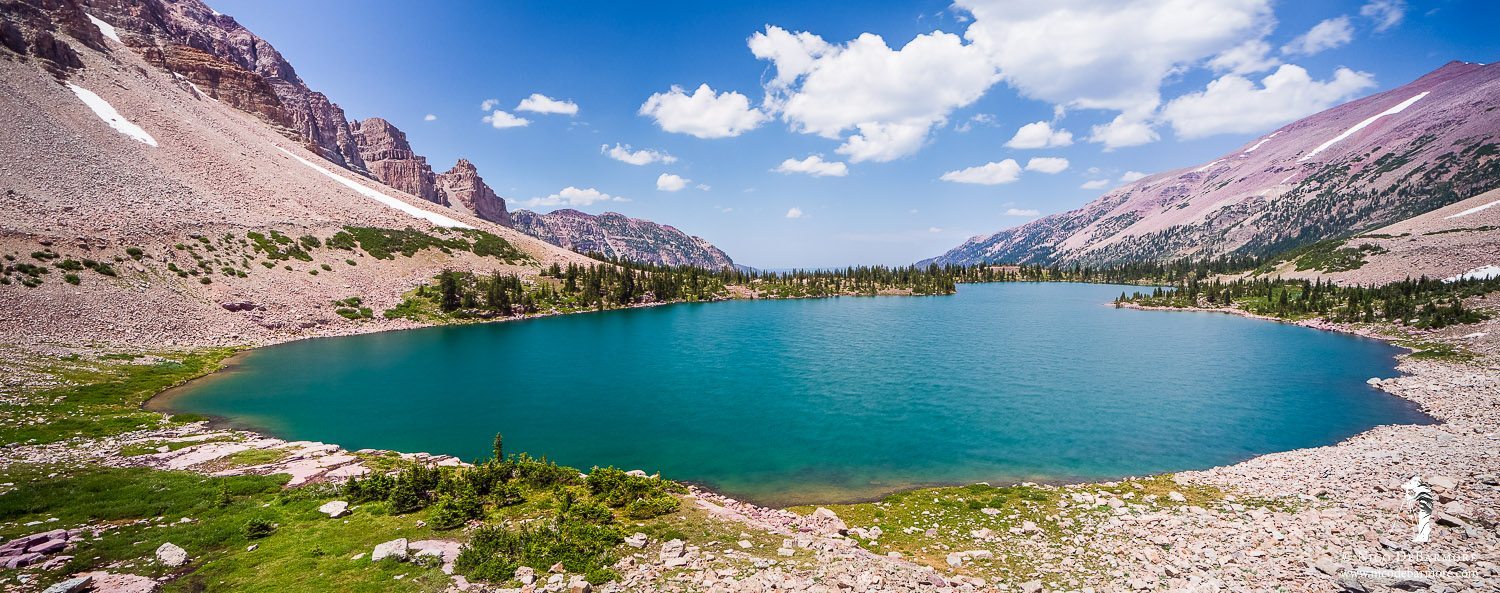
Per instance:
x=404, y=498
x=499, y=447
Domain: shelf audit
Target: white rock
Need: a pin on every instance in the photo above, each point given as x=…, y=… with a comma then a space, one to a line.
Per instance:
x=396, y=548
x=171, y=555
x=335, y=509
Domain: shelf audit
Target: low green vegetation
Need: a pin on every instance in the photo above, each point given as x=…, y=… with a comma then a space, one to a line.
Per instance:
x=352, y=308
x=1333, y=256
x=1017, y=524
x=98, y=398
x=387, y=243
x=547, y=513
x=1423, y=303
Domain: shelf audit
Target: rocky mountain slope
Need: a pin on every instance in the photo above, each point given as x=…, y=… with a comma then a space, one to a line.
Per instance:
x=1457, y=239
x=1359, y=166
x=616, y=235
x=141, y=209
x=219, y=58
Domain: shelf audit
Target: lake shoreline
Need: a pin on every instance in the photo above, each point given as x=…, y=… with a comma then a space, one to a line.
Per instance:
x=161, y=403
x=1351, y=488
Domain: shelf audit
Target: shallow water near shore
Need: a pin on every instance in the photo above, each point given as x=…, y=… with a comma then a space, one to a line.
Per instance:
x=827, y=400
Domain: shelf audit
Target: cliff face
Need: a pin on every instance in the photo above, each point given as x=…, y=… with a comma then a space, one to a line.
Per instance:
x=466, y=190
x=222, y=80
x=616, y=235
x=1362, y=165
x=389, y=157
x=171, y=31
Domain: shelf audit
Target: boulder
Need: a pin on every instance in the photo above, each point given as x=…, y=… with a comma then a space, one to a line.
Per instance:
x=636, y=541
x=171, y=555
x=396, y=548
x=335, y=509
x=72, y=585
x=51, y=546
x=1031, y=587
x=104, y=582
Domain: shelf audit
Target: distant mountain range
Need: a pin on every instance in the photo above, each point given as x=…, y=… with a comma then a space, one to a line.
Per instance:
x=227, y=62
x=1365, y=164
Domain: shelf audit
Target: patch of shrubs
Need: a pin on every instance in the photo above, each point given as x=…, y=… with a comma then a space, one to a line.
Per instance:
x=580, y=532
x=258, y=527
x=135, y=253
x=350, y=309
x=278, y=246
x=385, y=243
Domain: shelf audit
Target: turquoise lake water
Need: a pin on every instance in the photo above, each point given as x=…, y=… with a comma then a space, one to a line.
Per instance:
x=829, y=400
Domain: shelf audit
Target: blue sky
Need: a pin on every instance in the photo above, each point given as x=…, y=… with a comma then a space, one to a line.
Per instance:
x=1141, y=86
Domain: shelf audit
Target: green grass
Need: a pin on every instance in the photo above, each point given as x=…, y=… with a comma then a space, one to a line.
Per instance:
x=306, y=552
x=1441, y=351
x=99, y=398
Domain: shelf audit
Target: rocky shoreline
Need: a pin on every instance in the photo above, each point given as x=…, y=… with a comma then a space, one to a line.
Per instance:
x=1321, y=519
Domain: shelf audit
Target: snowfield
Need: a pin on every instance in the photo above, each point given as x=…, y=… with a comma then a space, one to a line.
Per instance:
x=107, y=112
x=107, y=29
x=1262, y=141
x=1476, y=209
x=431, y=217
x=1480, y=273
x=1365, y=124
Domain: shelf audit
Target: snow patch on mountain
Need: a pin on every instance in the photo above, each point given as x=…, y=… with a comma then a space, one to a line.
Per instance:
x=1480, y=208
x=1365, y=124
x=1479, y=273
x=1262, y=141
x=107, y=29
x=107, y=112
x=432, y=217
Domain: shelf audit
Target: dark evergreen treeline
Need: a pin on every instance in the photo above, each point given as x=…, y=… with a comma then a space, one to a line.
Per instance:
x=1421, y=303
x=853, y=280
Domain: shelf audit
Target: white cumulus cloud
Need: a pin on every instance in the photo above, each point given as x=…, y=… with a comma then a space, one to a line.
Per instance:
x=1109, y=54
x=1040, y=135
x=1095, y=184
x=670, y=182
x=794, y=213
x=813, y=165
x=1124, y=130
x=1047, y=164
x=1130, y=176
x=488, y=104
x=429, y=117
x=1234, y=104
x=623, y=153
x=1026, y=212
x=1323, y=36
x=1385, y=13
x=881, y=101
x=539, y=103
x=1006, y=171
x=502, y=120
x=572, y=196
x=704, y=113
x=1246, y=58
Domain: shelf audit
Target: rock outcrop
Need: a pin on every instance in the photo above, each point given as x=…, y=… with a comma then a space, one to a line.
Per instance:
x=388, y=156
x=615, y=235
x=155, y=26
x=1362, y=165
x=222, y=80
x=466, y=190
x=31, y=28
